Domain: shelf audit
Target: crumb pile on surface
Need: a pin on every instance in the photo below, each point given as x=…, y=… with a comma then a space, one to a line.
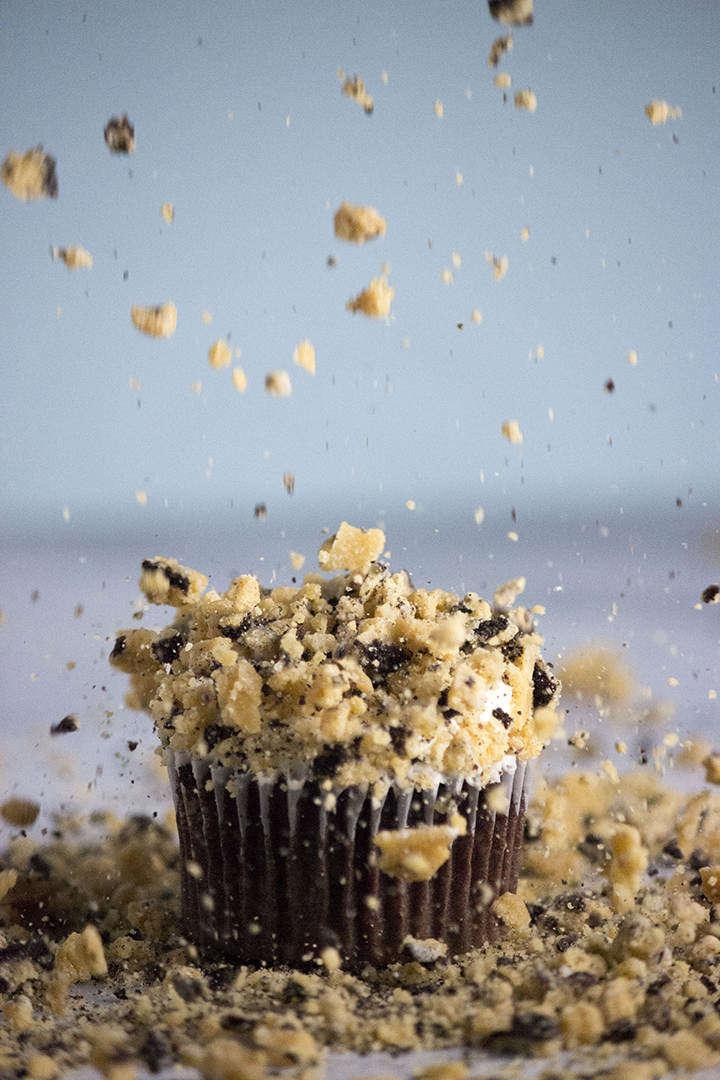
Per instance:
x=581, y=967
x=363, y=678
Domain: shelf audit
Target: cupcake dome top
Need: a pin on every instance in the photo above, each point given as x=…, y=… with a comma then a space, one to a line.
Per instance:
x=359, y=678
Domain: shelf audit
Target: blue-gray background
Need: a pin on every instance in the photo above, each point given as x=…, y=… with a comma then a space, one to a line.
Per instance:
x=241, y=124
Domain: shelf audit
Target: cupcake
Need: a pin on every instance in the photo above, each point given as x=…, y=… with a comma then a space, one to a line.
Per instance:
x=349, y=758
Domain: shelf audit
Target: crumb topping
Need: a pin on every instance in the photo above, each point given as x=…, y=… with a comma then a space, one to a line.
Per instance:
x=359, y=678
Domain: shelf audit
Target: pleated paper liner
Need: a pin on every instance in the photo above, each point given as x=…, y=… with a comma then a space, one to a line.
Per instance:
x=272, y=876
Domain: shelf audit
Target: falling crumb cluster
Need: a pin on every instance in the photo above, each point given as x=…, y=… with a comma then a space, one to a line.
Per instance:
x=580, y=967
x=361, y=676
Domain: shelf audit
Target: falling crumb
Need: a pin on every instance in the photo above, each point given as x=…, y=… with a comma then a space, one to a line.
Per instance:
x=500, y=45
x=446, y=277
x=597, y=671
x=417, y=854
x=141, y=497
x=511, y=430
x=579, y=739
x=479, y=515
x=120, y=135
x=31, y=175
x=239, y=379
x=410, y=504
x=505, y=594
x=503, y=80
x=357, y=224
x=355, y=88
x=260, y=511
x=155, y=322
x=672, y=682
x=304, y=355
x=476, y=316
x=458, y=179
x=375, y=300
x=196, y=387
x=512, y=12
x=609, y=769
x=438, y=109
x=351, y=549
x=168, y=212
x=219, y=355
x=621, y=747
x=457, y=260
x=711, y=594
x=18, y=812
x=525, y=99
x=207, y=318
x=632, y=357
x=289, y=482
x=278, y=384
x=659, y=112
x=75, y=258
x=384, y=77
x=499, y=265
x=297, y=560
x=65, y=726
x=609, y=386
x=525, y=234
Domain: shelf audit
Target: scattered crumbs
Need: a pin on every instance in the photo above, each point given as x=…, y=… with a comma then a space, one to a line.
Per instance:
x=357, y=224
x=120, y=135
x=659, y=112
x=168, y=212
x=540, y=352
x=476, y=316
x=219, y=355
x=141, y=497
x=621, y=747
x=479, y=515
x=513, y=536
x=410, y=504
x=511, y=430
x=18, y=812
x=206, y=317
x=375, y=300
x=355, y=89
x=525, y=234
x=512, y=12
x=239, y=379
x=499, y=46
x=457, y=260
x=75, y=258
x=438, y=109
x=297, y=560
x=289, y=482
x=672, y=682
x=525, y=99
x=446, y=277
x=304, y=356
x=711, y=594
x=499, y=265
x=31, y=175
x=384, y=77
x=155, y=322
x=458, y=179
x=579, y=739
x=503, y=80
x=632, y=357
x=278, y=384
x=260, y=511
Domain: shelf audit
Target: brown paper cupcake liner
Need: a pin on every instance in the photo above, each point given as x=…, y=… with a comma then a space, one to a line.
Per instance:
x=273, y=873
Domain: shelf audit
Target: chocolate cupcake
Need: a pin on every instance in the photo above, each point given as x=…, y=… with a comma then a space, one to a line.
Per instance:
x=349, y=758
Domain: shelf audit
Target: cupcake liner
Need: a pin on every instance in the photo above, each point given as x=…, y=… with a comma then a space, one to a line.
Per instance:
x=273, y=873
